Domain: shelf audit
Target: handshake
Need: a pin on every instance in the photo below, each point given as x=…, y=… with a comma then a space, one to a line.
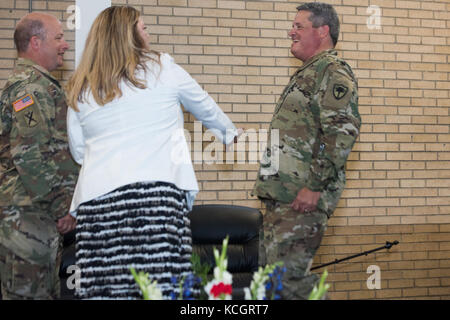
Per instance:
x=240, y=131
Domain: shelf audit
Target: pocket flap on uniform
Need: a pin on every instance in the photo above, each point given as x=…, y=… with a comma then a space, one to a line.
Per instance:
x=31, y=236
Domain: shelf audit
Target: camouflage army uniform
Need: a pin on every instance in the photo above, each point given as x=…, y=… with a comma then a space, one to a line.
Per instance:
x=317, y=122
x=37, y=178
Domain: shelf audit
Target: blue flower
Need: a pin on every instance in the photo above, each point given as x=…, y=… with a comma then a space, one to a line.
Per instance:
x=275, y=283
x=188, y=284
x=280, y=286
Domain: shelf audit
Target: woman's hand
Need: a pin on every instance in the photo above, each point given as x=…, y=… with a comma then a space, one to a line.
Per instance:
x=235, y=140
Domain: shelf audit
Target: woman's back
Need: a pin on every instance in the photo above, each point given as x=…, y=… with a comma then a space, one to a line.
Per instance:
x=138, y=137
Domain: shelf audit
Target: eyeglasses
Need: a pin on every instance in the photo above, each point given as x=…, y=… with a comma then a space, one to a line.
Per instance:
x=296, y=27
x=299, y=27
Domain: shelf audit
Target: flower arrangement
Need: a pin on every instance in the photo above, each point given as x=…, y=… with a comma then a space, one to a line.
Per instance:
x=266, y=280
x=187, y=287
x=318, y=293
x=149, y=289
x=220, y=288
x=265, y=285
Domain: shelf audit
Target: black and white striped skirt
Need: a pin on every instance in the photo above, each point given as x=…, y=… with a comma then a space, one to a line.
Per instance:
x=141, y=225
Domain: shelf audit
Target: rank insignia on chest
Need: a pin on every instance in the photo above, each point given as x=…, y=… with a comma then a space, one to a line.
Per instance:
x=23, y=103
x=339, y=91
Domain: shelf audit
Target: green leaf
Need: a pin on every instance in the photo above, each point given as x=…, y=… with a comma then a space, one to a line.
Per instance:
x=318, y=292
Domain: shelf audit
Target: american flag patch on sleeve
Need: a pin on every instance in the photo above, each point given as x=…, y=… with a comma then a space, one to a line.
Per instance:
x=23, y=102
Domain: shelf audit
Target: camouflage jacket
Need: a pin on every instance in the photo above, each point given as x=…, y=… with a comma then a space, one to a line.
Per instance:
x=313, y=129
x=36, y=167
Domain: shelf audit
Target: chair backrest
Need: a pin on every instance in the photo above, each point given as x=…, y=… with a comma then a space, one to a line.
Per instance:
x=211, y=223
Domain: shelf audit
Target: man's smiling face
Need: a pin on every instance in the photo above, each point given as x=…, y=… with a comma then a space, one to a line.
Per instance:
x=305, y=38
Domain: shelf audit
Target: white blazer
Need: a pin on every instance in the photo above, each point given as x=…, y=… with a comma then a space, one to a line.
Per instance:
x=139, y=136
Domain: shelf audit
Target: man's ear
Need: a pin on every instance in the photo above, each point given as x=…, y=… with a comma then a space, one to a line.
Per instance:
x=35, y=43
x=324, y=31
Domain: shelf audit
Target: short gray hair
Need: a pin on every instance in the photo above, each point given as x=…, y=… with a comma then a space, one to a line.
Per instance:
x=323, y=14
x=25, y=30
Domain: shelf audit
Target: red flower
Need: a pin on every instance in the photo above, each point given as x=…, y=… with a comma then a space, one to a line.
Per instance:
x=220, y=288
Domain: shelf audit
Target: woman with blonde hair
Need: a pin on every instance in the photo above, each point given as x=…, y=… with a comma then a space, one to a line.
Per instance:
x=137, y=182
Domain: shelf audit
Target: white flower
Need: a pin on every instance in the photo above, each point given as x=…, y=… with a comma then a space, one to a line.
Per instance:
x=149, y=289
x=261, y=292
x=247, y=294
x=220, y=287
x=153, y=291
x=257, y=286
x=227, y=277
x=223, y=276
x=257, y=290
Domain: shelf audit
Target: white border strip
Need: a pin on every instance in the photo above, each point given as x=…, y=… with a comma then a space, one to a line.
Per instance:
x=88, y=11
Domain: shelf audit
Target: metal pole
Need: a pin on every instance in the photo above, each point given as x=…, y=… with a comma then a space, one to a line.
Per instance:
x=388, y=245
x=30, y=6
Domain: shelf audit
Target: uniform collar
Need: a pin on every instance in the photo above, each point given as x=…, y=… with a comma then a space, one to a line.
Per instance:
x=317, y=57
x=30, y=63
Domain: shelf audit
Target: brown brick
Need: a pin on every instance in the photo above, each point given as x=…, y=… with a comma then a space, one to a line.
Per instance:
x=388, y=293
x=398, y=172
x=362, y=294
x=393, y=284
x=347, y=286
x=444, y=291
x=338, y=295
x=432, y=282
x=414, y=292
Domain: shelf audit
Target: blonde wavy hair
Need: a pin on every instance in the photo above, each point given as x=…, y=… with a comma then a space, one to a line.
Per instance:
x=113, y=52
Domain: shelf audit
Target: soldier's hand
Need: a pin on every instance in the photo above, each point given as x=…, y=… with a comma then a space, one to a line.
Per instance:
x=66, y=224
x=306, y=200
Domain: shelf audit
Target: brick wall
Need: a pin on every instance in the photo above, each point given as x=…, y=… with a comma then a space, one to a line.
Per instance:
x=10, y=13
x=398, y=184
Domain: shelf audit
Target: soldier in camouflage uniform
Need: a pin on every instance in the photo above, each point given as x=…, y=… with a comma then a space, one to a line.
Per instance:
x=37, y=173
x=302, y=173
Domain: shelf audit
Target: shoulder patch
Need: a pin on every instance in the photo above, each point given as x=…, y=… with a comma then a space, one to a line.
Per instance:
x=339, y=91
x=23, y=103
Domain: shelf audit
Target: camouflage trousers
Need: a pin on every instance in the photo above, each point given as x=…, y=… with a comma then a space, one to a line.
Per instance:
x=30, y=254
x=293, y=238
